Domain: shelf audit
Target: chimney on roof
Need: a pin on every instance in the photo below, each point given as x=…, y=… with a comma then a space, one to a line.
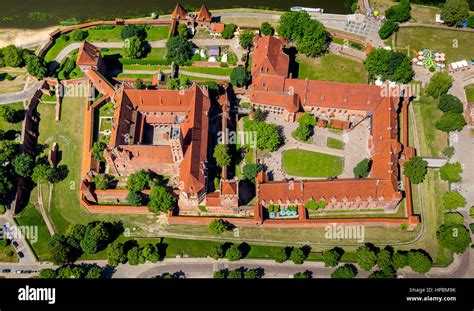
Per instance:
x=368, y=101
x=345, y=99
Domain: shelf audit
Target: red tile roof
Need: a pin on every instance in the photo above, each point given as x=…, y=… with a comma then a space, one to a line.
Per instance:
x=179, y=12
x=269, y=57
x=88, y=54
x=204, y=14
x=229, y=187
x=217, y=27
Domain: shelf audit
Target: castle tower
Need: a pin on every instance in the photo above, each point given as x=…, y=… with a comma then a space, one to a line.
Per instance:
x=176, y=143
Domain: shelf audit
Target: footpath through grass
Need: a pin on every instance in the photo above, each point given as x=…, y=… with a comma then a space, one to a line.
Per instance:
x=304, y=163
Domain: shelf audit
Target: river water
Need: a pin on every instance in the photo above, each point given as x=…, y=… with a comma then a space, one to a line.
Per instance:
x=41, y=13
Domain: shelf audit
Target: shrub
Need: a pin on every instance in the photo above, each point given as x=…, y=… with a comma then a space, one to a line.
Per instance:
x=313, y=205
x=135, y=198
x=234, y=253
x=79, y=34
x=439, y=84
x=387, y=29
x=217, y=252
x=228, y=32
x=281, y=255
x=449, y=151
x=218, y=226
x=450, y=103
x=451, y=172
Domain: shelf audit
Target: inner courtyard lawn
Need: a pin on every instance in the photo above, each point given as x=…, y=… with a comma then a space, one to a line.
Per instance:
x=456, y=44
x=304, y=163
x=470, y=92
x=331, y=67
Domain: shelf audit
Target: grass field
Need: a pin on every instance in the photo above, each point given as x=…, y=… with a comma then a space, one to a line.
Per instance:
x=419, y=13
x=4, y=254
x=218, y=71
x=5, y=126
x=196, y=78
x=470, y=92
x=331, y=67
x=15, y=85
x=135, y=75
x=305, y=163
x=30, y=216
x=153, y=68
x=335, y=143
x=455, y=43
x=432, y=141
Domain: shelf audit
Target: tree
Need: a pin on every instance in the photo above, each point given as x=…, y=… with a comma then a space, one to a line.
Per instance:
x=250, y=171
x=101, y=181
x=23, y=164
x=268, y=136
x=58, y=173
x=456, y=238
x=228, y=32
x=450, y=103
x=94, y=272
x=449, y=152
x=47, y=273
x=453, y=218
x=347, y=271
x=455, y=11
x=235, y=274
x=246, y=38
x=116, y=254
x=470, y=21
x=384, y=260
x=415, y=169
x=161, y=200
x=13, y=56
x=9, y=114
x=366, y=258
x=8, y=150
x=76, y=231
x=315, y=39
x=233, y=253
x=135, y=47
x=6, y=185
x=362, y=169
x=41, y=173
x=219, y=274
x=79, y=35
x=302, y=275
x=98, y=150
x=451, y=172
x=218, y=226
x=238, y=76
x=387, y=29
x=59, y=249
x=258, y=115
x=399, y=260
x=139, y=84
x=251, y=274
x=36, y=66
x=303, y=132
x=129, y=31
x=183, y=30
x=388, y=64
x=266, y=29
x=217, y=252
x=419, y=262
x=451, y=122
x=387, y=273
x=179, y=50
x=281, y=255
x=399, y=13
x=439, y=84
x=133, y=255
x=135, y=198
x=453, y=200
x=292, y=25
x=89, y=244
x=139, y=181
x=331, y=257
x=222, y=155
x=297, y=256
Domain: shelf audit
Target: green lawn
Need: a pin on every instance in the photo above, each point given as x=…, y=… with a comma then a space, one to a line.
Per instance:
x=135, y=76
x=470, y=92
x=305, y=163
x=30, y=216
x=218, y=71
x=438, y=40
x=4, y=254
x=5, y=126
x=432, y=141
x=335, y=143
x=331, y=67
x=145, y=67
x=197, y=78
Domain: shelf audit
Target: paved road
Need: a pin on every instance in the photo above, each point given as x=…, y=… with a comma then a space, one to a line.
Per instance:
x=435, y=162
x=17, y=235
x=14, y=97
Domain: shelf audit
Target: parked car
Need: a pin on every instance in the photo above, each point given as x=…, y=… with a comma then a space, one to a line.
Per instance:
x=21, y=255
x=15, y=244
x=18, y=271
x=28, y=271
x=6, y=271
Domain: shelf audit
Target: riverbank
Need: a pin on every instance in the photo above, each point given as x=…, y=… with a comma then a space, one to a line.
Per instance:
x=24, y=37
